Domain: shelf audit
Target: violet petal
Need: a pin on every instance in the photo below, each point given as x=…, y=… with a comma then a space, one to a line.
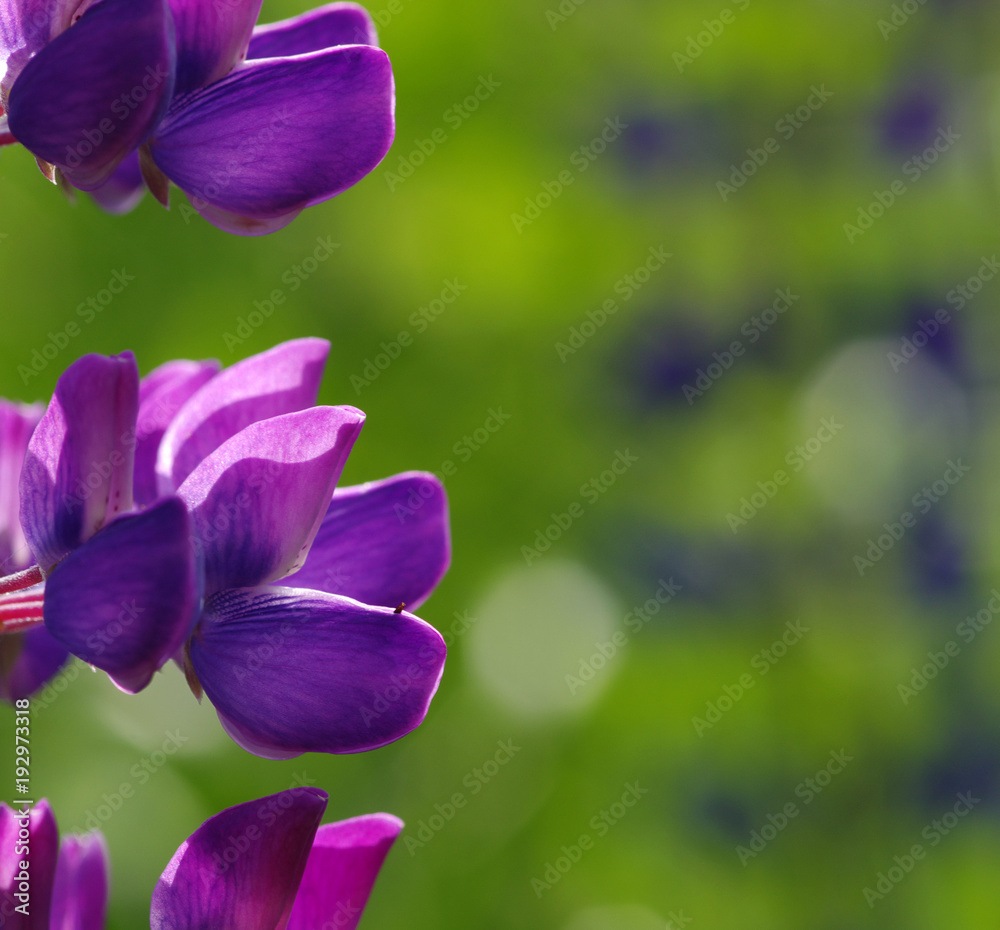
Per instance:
x=125, y=601
x=292, y=671
x=212, y=39
x=258, y=500
x=323, y=27
x=383, y=543
x=77, y=473
x=80, y=893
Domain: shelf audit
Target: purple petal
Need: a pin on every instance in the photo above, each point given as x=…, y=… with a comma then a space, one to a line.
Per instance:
x=258, y=500
x=78, y=470
x=324, y=27
x=292, y=671
x=240, y=869
x=95, y=92
x=80, y=893
x=122, y=192
x=17, y=422
x=345, y=861
x=280, y=134
x=27, y=661
x=26, y=26
x=212, y=39
x=125, y=601
x=242, y=225
x=281, y=380
x=384, y=543
x=162, y=393
x=43, y=850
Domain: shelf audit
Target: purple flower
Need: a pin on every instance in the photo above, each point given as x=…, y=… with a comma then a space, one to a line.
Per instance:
x=65, y=885
x=268, y=865
x=235, y=473
x=254, y=124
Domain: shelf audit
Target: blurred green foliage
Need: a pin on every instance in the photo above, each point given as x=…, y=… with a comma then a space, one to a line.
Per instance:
x=710, y=788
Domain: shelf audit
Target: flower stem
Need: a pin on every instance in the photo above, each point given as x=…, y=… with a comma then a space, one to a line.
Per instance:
x=20, y=616
x=20, y=580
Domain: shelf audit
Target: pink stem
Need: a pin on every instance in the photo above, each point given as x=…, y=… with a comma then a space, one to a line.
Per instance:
x=20, y=580
x=14, y=618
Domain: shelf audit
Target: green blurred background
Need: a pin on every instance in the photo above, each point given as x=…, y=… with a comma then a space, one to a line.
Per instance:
x=719, y=736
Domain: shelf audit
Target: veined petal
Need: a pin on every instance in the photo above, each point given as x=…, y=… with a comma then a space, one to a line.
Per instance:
x=125, y=601
x=257, y=501
x=281, y=380
x=345, y=861
x=77, y=473
x=80, y=893
x=212, y=39
x=17, y=423
x=26, y=26
x=122, y=192
x=324, y=27
x=280, y=134
x=162, y=393
x=27, y=661
x=383, y=543
x=292, y=671
x=95, y=92
x=43, y=850
x=240, y=869
x=242, y=225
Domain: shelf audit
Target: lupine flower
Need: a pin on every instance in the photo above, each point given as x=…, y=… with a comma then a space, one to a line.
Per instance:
x=240, y=468
x=65, y=886
x=268, y=865
x=254, y=124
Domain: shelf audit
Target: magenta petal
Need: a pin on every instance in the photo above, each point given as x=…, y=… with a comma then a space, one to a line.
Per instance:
x=281, y=380
x=17, y=423
x=292, y=671
x=95, y=92
x=122, y=192
x=78, y=470
x=43, y=851
x=240, y=869
x=258, y=500
x=80, y=893
x=212, y=39
x=280, y=134
x=345, y=861
x=383, y=543
x=27, y=661
x=324, y=27
x=125, y=601
x=162, y=393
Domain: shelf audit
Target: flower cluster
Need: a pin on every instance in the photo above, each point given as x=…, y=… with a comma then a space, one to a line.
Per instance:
x=266, y=864
x=161, y=519
x=254, y=123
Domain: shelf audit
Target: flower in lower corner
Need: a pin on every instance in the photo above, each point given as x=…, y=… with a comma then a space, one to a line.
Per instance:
x=268, y=864
x=46, y=884
x=254, y=124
